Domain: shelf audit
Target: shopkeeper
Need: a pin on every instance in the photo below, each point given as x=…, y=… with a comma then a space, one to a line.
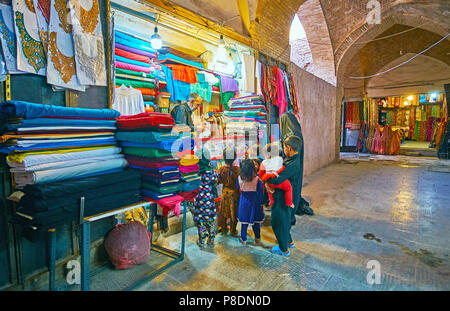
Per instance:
x=182, y=113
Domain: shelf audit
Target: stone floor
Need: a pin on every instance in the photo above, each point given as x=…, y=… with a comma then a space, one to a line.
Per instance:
x=395, y=210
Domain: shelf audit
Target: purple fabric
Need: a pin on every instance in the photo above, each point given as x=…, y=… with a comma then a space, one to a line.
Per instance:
x=228, y=84
x=133, y=50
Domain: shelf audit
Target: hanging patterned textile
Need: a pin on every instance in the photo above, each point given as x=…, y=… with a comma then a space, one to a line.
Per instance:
x=349, y=115
x=356, y=122
x=30, y=51
x=8, y=38
x=61, y=69
x=88, y=43
x=42, y=10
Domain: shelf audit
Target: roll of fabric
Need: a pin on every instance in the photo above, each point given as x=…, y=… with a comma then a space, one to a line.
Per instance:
x=128, y=40
x=63, y=129
x=135, y=73
x=49, y=122
x=78, y=171
x=67, y=145
x=170, y=170
x=161, y=160
x=91, y=207
x=131, y=61
x=133, y=50
x=7, y=137
x=41, y=159
x=132, y=67
x=172, y=146
x=133, y=56
x=135, y=84
x=30, y=110
x=62, y=164
x=67, y=187
x=73, y=199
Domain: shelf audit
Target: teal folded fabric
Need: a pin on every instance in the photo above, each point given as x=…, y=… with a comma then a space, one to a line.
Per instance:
x=146, y=137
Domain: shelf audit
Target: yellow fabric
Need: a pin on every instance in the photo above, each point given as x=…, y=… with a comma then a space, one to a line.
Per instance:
x=137, y=214
x=189, y=160
x=18, y=157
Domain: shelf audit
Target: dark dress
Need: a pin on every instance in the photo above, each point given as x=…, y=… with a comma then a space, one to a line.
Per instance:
x=281, y=213
x=291, y=127
x=250, y=209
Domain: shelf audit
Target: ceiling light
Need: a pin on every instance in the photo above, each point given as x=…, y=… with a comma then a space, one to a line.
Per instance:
x=155, y=40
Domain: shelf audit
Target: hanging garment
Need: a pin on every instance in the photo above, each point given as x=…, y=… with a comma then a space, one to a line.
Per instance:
x=8, y=38
x=349, y=115
x=280, y=98
x=249, y=62
x=355, y=119
x=228, y=84
x=128, y=101
x=258, y=77
x=184, y=73
x=30, y=51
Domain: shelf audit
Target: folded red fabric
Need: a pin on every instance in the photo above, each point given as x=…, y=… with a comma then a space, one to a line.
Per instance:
x=145, y=120
x=151, y=164
x=189, y=168
x=133, y=56
x=189, y=196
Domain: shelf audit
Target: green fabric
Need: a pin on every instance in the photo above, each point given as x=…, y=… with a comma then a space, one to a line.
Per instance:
x=202, y=88
x=224, y=98
x=389, y=117
x=135, y=84
x=146, y=152
x=204, y=162
x=162, y=190
x=134, y=73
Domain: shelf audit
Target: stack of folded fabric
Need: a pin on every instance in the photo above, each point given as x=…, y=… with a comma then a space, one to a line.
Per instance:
x=45, y=206
x=246, y=114
x=48, y=143
x=190, y=176
x=151, y=147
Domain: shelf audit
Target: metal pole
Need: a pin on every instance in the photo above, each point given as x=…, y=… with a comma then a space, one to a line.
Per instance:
x=52, y=258
x=183, y=234
x=85, y=256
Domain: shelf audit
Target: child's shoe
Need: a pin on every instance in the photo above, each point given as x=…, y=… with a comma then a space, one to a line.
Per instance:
x=276, y=250
x=242, y=241
x=211, y=243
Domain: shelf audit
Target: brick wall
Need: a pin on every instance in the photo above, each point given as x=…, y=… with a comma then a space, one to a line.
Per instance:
x=318, y=111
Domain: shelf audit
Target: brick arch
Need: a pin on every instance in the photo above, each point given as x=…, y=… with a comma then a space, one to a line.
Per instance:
x=312, y=17
x=345, y=54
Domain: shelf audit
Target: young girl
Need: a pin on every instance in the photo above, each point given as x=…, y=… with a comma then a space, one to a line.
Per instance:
x=270, y=168
x=204, y=210
x=228, y=175
x=250, y=210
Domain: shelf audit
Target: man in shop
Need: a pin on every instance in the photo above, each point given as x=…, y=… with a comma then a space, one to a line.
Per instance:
x=182, y=113
x=290, y=126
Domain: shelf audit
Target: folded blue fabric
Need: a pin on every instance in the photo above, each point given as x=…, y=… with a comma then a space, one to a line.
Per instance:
x=160, y=182
x=160, y=171
x=191, y=186
x=168, y=145
x=65, y=122
x=131, y=61
x=130, y=41
x=30, y=110
x=169, y=56
x=107, y=141
x=154, y=195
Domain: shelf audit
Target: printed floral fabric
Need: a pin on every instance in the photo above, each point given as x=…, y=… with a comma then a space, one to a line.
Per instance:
x=204, y=209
